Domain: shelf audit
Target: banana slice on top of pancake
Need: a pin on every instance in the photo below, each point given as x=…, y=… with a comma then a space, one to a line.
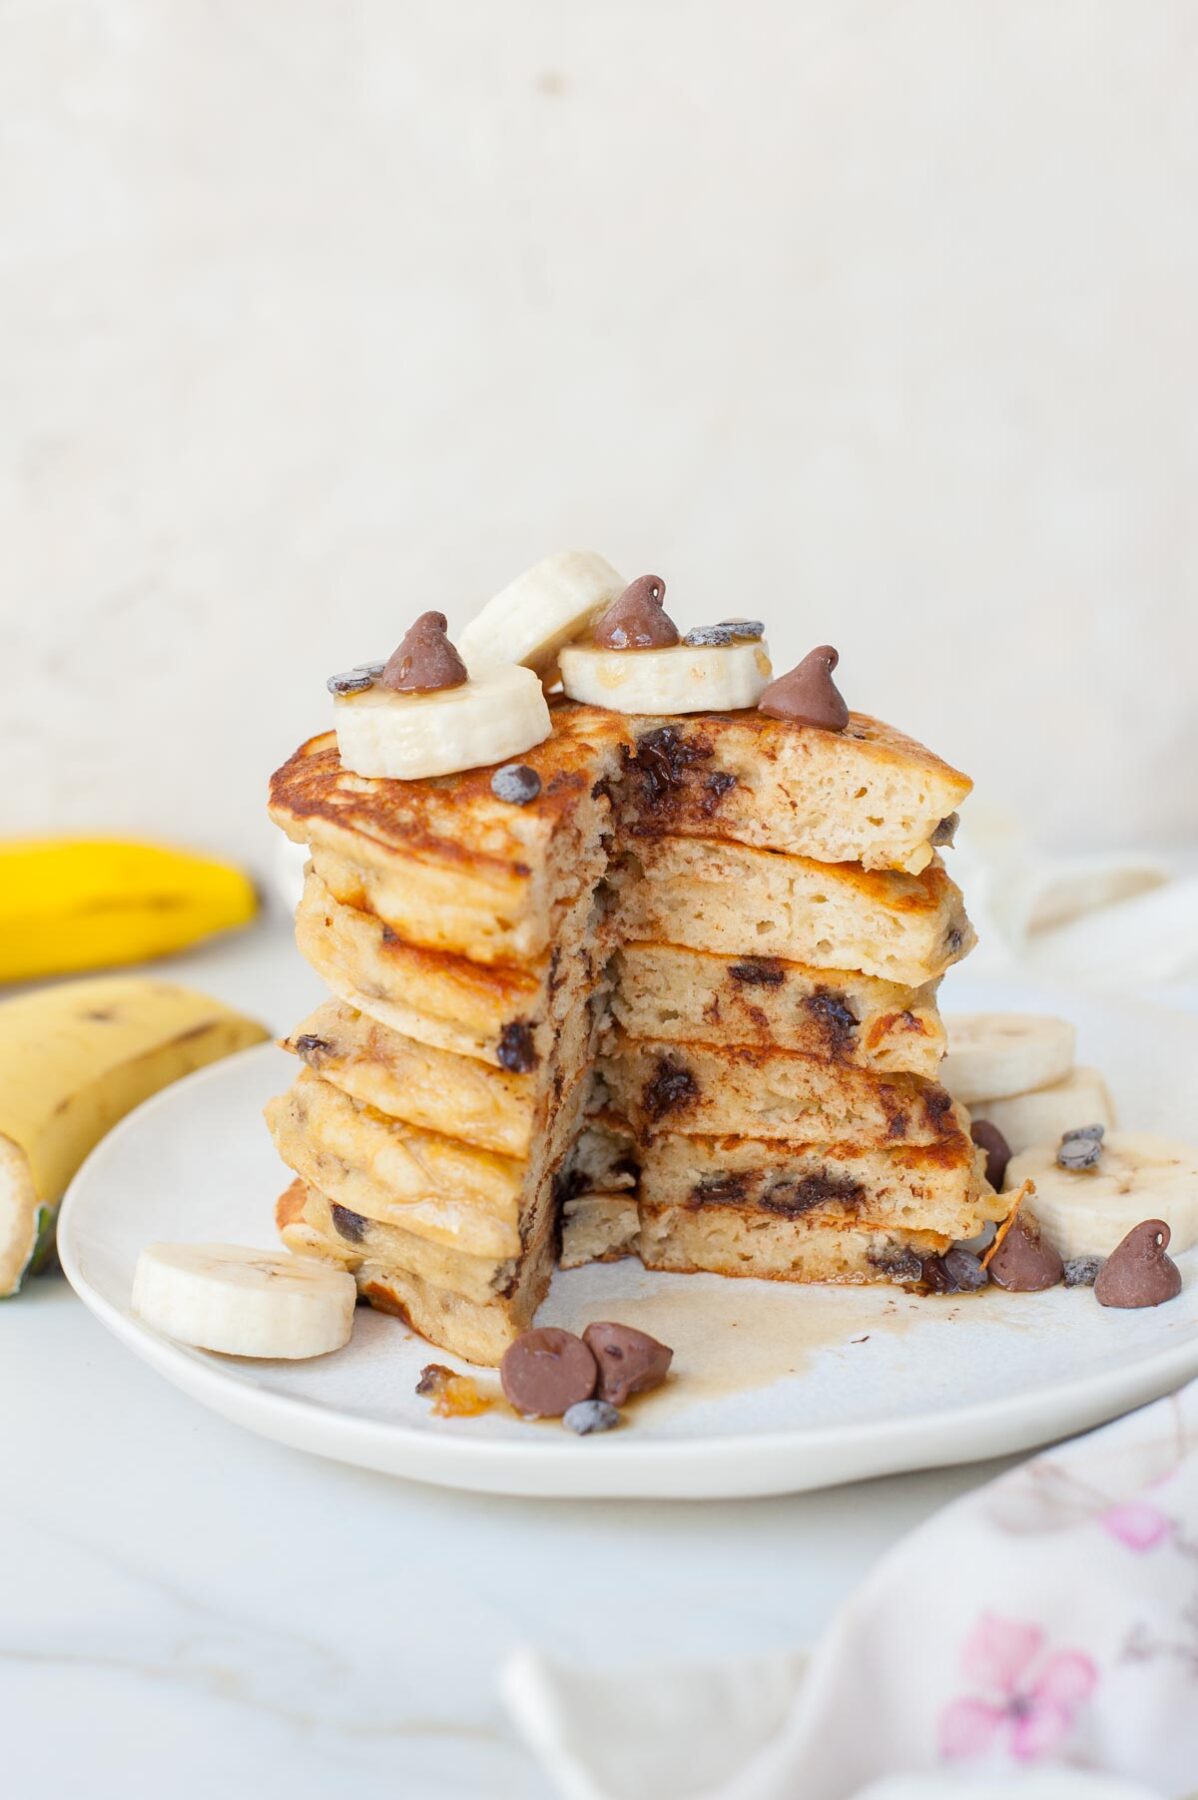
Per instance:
x=636, y=662
x=422, y=713
x=534, y=616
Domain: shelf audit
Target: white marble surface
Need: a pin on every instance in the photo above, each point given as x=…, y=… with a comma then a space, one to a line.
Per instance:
x=185, y=1608
x=875, y=319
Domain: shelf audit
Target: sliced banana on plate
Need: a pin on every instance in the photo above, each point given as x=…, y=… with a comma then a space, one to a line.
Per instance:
x=547, y=606
x=994, y=1055
x=499, y=713
x=244, y=1302
x=1080, y=1098
x=1138, y=1176
x=682, y=678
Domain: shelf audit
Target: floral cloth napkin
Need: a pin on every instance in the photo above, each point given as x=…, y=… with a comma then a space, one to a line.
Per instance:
x=1053, y=1657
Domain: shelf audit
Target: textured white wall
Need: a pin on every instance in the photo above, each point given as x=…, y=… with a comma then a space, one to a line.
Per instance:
x=874, y=316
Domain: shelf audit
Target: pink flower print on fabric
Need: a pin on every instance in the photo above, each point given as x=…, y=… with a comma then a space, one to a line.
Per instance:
x=1029, y=1702
x=1137, y=1524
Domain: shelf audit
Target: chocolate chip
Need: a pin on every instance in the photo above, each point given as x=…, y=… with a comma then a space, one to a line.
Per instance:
x=662, y=756
x=745, y=631
x=1138, y=1272
x=311, y=1048
x=1082, y=1271
x=516, y=783
x=669, y=1088
x=636, y=620
x=586, y=1416
x=946, y=831
x=989, y=1138
x=547, y=1371
x=964, y=1271
x=762, y=971
x=629, y=1361
x=351, y=1225
x=1025, y=1262
x=1080, y=1149
x=709, y=637
x=791, y=1197
x=724, y=1189
x=717, y=784
x=836, y=1020
x=517, y=1052
x=897, y=1263
x=354, y=681
x=425, y=661
x=807, y=695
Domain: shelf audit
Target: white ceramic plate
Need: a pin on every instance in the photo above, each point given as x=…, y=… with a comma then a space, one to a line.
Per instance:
x=778, y=1388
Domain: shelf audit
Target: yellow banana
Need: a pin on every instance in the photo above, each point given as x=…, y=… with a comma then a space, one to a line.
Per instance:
x=73, y=1060
x=72, y=904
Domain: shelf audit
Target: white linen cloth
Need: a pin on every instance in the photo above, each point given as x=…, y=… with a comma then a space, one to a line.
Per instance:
x=1037, y=1638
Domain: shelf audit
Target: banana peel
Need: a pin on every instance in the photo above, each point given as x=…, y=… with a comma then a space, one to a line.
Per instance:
x=74, y=1059
x=70, y=904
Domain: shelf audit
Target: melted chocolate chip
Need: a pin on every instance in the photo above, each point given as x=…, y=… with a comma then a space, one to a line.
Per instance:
x=662, y=758
x=1138, y=1272
x=717, y=784
x=517, y=1052
x=1025, y=1262
x=547, y=1371
x=311, y=1048
x=351, y=1225
x=989, y=1138
x=630, y=1361
x=836, y=1020
x=670, y=1088
x=897, y=1263
x=425, y=661
x=807, y=694
x=762, y=971
x=791, y=1198
x=725, y=1189
x=636, y=621
x=946, y=831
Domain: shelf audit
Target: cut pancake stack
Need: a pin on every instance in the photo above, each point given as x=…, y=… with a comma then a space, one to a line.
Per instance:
x=682, y=1004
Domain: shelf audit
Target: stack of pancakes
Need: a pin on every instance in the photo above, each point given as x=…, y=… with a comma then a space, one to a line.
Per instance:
x=680, y=1005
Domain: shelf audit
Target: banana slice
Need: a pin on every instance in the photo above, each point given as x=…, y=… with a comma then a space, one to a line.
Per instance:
x=547, y=606
x=499, y=713
x=1138, y=1176
x=244, y=1302
x=684, y=678
x=994, y=1055
x=1081, y=1098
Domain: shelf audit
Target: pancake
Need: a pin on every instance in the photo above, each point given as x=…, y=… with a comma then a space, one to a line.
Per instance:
x=705, y=895
x=662, y=991
x=935, y=1187
x=682, y=1004
x=477, y=1330
x=780, y=1094
x=457, y=1096
x=444, y=863
x=866, y=794
x=752, y=1244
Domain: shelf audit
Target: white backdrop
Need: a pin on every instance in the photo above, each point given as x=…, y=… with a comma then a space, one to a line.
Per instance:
x=877, y=317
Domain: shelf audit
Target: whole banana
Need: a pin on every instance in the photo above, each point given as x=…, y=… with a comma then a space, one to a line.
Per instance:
x=69, y=904
x=74, y=1059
